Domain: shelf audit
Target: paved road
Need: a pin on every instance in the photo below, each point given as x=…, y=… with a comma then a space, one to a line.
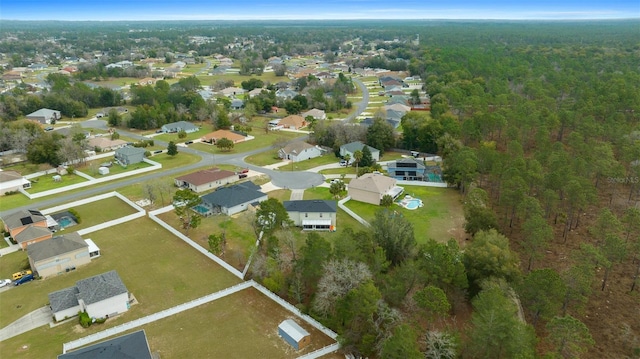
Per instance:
x=362, y=105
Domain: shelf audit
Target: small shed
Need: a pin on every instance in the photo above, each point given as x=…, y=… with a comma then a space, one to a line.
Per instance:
x=57, y=178
x=103, y=170
x=294, y=334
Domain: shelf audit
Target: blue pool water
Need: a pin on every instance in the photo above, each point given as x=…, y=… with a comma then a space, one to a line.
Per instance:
x=65, y=222
x=201, y=209
x=413, y=204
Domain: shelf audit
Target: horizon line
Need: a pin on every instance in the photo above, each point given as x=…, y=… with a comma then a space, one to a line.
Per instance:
x=335, y=20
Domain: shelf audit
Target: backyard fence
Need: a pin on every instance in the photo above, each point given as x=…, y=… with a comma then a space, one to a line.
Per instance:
x=350, y=212
x=153, y=317
x=190, y=242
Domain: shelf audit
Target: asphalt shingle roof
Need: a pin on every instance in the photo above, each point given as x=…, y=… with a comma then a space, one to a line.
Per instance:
x=357, y=146
x=100, y=287
x=232, y=196
x=311, y=206
x=63, y=299
x=31, y=232
x=16, y=219
x=56, y=246
x=129, y=346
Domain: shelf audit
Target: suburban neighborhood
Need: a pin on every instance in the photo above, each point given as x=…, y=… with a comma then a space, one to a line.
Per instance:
x=285, y=191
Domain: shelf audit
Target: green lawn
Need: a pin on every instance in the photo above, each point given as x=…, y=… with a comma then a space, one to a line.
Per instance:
x=160, y=270
x=239, y=232
x=441, y=218
x=241, y=325
x=168, y=162
x=98, y=212
x=46, y=182
x=237, y=78
x=311, y=163
x=91, y=168
x=261, y=140
x=190, y=136
x=280, y=194
x=264, y=158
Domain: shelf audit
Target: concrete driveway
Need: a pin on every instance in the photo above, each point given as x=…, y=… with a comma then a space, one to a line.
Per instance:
x=33, y=320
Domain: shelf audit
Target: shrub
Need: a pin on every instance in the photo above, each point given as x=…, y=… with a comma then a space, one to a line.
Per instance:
x=84, y=319
x=150, y=142
x=75, y=214
x=70, y=169
x=100, y=320
x=147, y=153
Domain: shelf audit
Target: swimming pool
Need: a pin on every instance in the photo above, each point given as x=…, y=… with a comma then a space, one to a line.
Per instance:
x=66, y=222
x=201, y=209
x=413, y=203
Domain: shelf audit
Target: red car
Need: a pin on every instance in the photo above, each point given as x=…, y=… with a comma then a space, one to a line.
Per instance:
x=246, y=170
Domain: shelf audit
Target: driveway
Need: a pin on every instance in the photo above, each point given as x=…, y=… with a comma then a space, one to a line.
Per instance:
x=33, y=320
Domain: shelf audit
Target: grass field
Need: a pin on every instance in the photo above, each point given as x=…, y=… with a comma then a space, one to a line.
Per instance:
x=237, y=78
x=98, y=212
x=311, y=163
x=45, y=183
x=261, y=140
x=264, y=158
x=242, y=325
x=168, y=162
x=190, y=136
x=441, y=218
x=91, y=168
x=157, y=268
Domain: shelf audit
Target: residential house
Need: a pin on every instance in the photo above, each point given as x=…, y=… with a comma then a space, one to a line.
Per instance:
x=256, y=91
x=232, y=91
x=147, y=81
x=130, y=346
x=234, y=199
x=352, y=147
x=27, y=227
x=214, y=136
x=237, y=104
x=286, y=94
x=413, y=169
x=105, y=144
x=58, y=254
x=129, y=155
x=315, y=113
x=175, y=127
x=206, y=179
x=371, y=187
x=294, y=334
x=294, y=122
x=101, y=296
x=45, y=116
x=312, y=214
x=299, y=151
x=11, y=181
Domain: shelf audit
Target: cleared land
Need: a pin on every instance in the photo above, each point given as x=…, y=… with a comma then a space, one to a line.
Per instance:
x=160, y=270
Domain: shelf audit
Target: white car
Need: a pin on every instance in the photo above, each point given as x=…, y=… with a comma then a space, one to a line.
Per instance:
x=4, y=282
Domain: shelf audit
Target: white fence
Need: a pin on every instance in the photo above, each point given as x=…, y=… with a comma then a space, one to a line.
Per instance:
x=154, y=166
x=153, y=317
x=290, y=307
x=422, y=183
x=140, y=212
x=246, y=267
x=321, y=352
x=350, y=212
x=190, y=242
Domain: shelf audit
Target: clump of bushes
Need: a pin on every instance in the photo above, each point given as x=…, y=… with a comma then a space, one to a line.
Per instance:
x=75, y=215
x=84, y=319
x=144, y=143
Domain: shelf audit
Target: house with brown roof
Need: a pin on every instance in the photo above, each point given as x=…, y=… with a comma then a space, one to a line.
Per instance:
x=371, y=187
x=105, y=144
x=299, y=151
x=27, y=227
x=294, y=122
x=12, y=181
x=206, y=179
x=214, y=136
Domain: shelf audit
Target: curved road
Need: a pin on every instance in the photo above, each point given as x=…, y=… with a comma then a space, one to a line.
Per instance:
x=282, y=179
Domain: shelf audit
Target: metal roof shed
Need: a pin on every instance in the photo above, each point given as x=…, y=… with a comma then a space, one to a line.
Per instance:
x=294, y=334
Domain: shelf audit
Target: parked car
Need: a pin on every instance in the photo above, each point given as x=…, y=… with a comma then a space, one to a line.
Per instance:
x=18, y=275
x=48, y=128
x=24, y=279
x=188, y=142
x=336, y=180
x=242, y=175
x=4, y=282
x=343, y=163
x=246, y=170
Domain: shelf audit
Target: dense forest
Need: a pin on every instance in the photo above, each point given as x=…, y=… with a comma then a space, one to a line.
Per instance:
x=538, y=125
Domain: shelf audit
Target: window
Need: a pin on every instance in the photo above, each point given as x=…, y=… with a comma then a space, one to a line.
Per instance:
x=320, y=215
x=306, y=215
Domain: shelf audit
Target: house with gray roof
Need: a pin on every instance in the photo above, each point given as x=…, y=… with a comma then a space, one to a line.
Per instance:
x=58, y=254
x=351, y=148
x=175, y=127
x=299, y=151
x=129, y=346
x=45, y=116
x=371, y=187
x=129, y=155
x=101, y=296
x=234, y=199
x=315, y=215
x=12, y=181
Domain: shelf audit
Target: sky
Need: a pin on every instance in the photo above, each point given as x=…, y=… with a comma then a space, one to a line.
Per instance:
x=110, y=10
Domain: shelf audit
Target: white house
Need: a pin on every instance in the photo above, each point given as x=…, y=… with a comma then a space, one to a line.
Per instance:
x=312, y=214
x=299, y=151
x=351, y=148
x=12, y=181
x=101, y=296
x=174, y=127
x=44, y=116
x=315, y=113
